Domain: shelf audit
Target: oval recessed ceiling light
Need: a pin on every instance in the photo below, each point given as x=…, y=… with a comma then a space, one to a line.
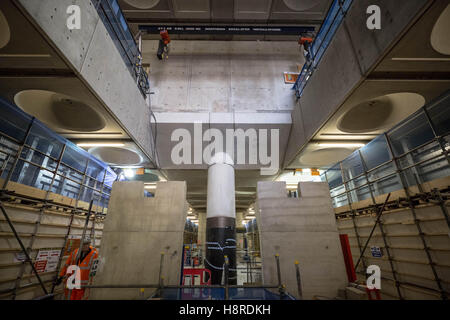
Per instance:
x=380, y=113
x=324, y=157
x=440, y=40
x=60, y=112
x=116, y=156
x=5, y=32
x=303, y=5
x=142, y=4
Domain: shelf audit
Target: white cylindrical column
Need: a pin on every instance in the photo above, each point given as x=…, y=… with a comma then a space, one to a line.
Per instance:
x=221, y=219
x=221, y=194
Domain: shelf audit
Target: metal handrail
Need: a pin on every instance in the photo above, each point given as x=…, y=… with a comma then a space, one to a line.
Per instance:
x=161, y=286
x=436, y=149
x=336, y=14
x=88, y=182
x=369, y=182
x=125, y=42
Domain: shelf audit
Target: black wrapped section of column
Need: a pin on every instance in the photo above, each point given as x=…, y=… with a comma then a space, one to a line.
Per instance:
x=221, y=241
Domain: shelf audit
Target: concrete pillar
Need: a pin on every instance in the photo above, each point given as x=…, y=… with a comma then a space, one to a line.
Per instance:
x=221, y=219
x=136, y=231
x=202, y=230
x=300, y=229
x=239, y=236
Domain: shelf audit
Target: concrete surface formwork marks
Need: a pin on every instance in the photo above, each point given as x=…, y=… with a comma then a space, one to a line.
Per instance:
x=92, y=54
x=137, y=230
x=223, y=76
x=202, y=229
x=350, y=57
x=302, y=229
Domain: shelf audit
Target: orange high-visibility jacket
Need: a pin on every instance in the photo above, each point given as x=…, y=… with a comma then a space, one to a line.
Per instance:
x=84, y=265
x=165, y=36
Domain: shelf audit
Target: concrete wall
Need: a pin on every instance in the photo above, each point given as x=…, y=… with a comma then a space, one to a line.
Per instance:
x=349, y=59
x=302, y=229
x=223, y=76
x=94, y=57
x=137, y=229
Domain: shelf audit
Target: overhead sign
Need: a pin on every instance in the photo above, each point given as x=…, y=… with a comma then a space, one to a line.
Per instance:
x=262, y=30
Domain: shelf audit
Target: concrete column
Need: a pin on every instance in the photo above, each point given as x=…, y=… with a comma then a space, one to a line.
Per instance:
x=239, y=236
x=221, y=219
x=137, y=230
x=202, y=230
x=300, y=229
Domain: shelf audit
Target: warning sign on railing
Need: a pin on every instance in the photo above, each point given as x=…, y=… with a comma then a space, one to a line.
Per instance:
x=47, y=260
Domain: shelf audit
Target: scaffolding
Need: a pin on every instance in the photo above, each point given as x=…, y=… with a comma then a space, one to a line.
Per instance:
x=400, y=161
x=42, y=171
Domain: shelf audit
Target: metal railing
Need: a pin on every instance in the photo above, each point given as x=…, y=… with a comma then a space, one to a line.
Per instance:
x=31, y=154
x=416, y=151
x=117, y=26
x=333, y=20
x=224, y=290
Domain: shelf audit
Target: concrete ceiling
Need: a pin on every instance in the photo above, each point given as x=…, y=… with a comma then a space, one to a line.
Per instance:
x=245, y=181
x=168, y=122
x=246, y=175
x=214, y=12
x=411, y=74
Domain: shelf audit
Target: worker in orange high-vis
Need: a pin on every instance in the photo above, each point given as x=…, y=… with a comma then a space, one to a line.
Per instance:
x=85, y=262
x=163, y=47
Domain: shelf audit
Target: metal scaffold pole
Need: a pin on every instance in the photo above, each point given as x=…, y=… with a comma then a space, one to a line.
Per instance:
x=416, y=220
x=380, y=212
x=88, y=216
x=383, y=233
x=353, y=215
x=28, y=258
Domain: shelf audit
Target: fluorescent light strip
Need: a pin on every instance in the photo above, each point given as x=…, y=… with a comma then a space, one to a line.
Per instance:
x=100, y=144
x=420, y=59
x=25, y=55
x=341, y=144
